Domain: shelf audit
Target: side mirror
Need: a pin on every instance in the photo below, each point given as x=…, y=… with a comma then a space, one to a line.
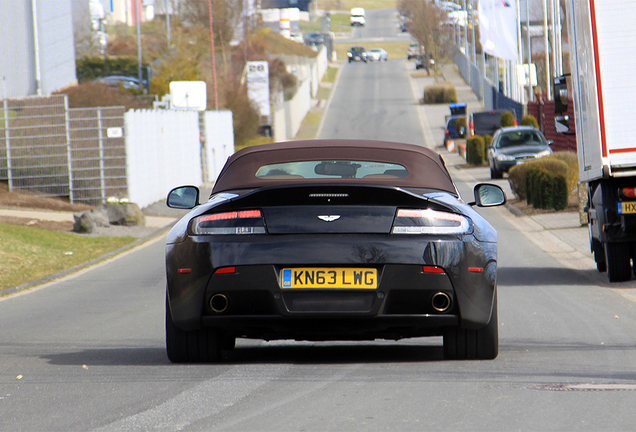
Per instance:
x=560, y=95
x=562, y=123
x=488, y=195
x=183, y=197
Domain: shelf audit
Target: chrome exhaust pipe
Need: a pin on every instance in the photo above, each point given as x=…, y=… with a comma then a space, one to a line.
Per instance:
x=218, y=303
x=441, y=302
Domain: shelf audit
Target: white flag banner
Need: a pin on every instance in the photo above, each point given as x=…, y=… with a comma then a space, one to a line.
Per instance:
x=498, y=28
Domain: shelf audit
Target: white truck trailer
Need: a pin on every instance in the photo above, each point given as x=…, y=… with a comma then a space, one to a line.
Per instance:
x=603, y=83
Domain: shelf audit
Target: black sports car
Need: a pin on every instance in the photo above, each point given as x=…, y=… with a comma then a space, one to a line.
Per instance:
x=332, y=240
x=357, y=53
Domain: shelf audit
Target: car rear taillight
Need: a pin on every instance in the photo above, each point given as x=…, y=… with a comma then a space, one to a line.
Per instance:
x=446, y=132
x=472, y=129
x=234, y=222
x=430, y=221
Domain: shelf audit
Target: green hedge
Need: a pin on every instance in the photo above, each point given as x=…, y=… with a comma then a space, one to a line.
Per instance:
x=487, y=141
x=546, y=190
x=461, y=122
x=91, y=68
x=507, y=119
x=475, y=150
x=529, y=120
x=559, y=163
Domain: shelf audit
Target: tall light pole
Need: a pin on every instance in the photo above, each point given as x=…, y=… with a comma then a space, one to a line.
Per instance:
x=138, y=19
x=216, y=94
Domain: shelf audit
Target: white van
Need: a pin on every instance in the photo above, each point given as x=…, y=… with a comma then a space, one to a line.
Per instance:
x=357, y=16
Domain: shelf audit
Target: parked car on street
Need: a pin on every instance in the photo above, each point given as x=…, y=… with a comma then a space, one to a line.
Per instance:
x=314, y=38
x=377, y=54
x=412, y=51
x=451, y=131
x=332, y=240
x=357, y=53
x=127, y=82
x=422, y=61
x=485, y=122
x=511, y=146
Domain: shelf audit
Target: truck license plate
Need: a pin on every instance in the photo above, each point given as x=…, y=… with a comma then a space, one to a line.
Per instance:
x=627, y=207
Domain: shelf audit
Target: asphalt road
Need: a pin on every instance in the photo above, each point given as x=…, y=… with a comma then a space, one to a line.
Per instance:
x=87, y=352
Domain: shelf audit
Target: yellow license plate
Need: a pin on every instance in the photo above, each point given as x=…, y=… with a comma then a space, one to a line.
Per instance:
x=627, y=207
x=341, y=278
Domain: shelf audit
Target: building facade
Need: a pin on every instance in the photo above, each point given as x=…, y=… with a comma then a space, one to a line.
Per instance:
x=37, y=53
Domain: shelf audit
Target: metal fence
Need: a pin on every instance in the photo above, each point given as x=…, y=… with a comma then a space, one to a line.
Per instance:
x=97, y=153
x=34, y=152
x=51, y=150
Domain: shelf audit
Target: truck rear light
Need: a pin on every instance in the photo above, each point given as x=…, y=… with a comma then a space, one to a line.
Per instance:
x=234, y=222
x=629, y=192
x=429, y=221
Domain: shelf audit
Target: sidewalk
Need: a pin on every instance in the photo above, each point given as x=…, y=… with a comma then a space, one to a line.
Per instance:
x=559, y=234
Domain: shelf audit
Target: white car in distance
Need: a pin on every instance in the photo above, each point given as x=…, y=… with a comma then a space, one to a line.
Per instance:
x=377, y=54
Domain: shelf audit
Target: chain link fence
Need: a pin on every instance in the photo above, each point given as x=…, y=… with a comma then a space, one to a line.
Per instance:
x=51, y=150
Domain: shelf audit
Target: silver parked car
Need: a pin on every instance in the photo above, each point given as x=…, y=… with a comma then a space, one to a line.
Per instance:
x=513, y=145
x=377, y=54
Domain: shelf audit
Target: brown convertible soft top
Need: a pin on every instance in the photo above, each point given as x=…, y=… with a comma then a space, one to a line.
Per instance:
x=426, y=168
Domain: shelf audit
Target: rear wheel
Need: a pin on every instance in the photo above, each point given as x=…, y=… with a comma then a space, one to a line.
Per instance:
x=598, y=251
x=495, y=174
x=197, y=346
x=617, y=260
x=482, y=344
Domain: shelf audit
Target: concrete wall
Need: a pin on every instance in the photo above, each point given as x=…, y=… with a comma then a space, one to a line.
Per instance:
x=162, y=152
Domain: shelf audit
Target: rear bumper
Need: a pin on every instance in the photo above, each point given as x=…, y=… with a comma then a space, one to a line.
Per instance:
x=404, y=290
x=332, y=328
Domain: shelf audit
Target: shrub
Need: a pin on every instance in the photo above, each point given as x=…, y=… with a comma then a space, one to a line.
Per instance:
x=517, y=174
x=507, y=119
x=543, y=190
x=529, y=120
x=560, y=193
x=461, y=122
x=487, y=141
x=439, y=93
x=572, y=161
x=529, y=179
x=546, y=190
x=475, y=150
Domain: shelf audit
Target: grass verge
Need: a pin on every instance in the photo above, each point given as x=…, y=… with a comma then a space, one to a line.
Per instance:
x=28, y=254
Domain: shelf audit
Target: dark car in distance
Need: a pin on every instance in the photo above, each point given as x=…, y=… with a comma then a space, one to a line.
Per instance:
x=357, y=53
x=314, y=38
x=485, y=122
x=514, y=145
x=451, y=131
x=332, y=240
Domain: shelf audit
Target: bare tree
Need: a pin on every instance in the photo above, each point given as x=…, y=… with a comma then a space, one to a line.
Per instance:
x=227, y=15
x=429, y=25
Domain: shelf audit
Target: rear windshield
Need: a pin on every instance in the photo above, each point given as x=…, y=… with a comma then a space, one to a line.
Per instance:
x=331, y=169
x=487, y=121
x=518, y=138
